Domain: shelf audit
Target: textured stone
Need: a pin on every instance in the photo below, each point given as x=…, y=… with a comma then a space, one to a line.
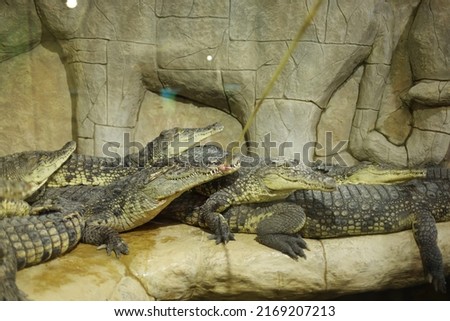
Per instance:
x=372, y=86
x=429, y=93
x=394, y=119
x=395, y=126
x=36, y=114
x=425, y=147
x=243, y=55
x=379, y=150
x=267, y=20
x=361, y=18
x=133, y=22
x=91, y=51
x=20, y=29
x=239, y=87
x=113, y=53
x=321, y=69
x=129, y=289
x=65, y=23
x=101, y=19
x=89, y=90
x=403, y=16
x=430, y=30
x=112, y=141
x=125, y=88
x=383, y=25
x=85, y=146
x=160, y=265
x=287, y=125
x=436, y=119
x=204, y=87
x=185, y=43
x=192, y=8
x=338, y=116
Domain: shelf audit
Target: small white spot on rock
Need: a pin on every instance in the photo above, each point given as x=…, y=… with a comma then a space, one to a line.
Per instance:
x=71, y=4
x=209, y=57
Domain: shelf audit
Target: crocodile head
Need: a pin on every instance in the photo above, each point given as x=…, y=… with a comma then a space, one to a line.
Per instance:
x=140, y=197
x=375, y=174
x=195, y=166
x=170, y=143
x=287, y=177
x=35, y=167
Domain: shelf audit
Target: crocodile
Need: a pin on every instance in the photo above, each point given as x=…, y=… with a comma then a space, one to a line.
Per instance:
x=136, y=199
x=350, y=210
x=27, y=171
x=95, y=170
x=92, y=170
x=105, y=212
x=267, y=180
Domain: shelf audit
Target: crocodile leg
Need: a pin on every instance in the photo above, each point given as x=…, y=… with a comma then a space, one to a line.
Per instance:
x=8, y=268
x=425, y=234
x=278, y=226
x=105, y=237
x=210, y=213
x=22, y=208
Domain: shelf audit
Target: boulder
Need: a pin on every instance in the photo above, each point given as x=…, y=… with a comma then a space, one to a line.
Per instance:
x=178, y=262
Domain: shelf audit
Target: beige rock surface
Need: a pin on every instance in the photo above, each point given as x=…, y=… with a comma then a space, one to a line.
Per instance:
x=34, y=102
x=358, y=63
x=178, y=262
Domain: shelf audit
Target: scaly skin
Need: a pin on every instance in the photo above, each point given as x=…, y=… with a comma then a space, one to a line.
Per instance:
x=367, y=173
x=101, y=171
x=106, y=211
x=350, y=210
x=170, y=143
x=30, y=170
x=134, y=200
x=262, y=183
x=265, y=181
x=30, y=240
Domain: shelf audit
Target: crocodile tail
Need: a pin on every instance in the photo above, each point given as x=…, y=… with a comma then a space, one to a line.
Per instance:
x=39, y=238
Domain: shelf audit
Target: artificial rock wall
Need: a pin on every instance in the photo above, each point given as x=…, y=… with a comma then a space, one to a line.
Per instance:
x=373, y=73
x=369, y=81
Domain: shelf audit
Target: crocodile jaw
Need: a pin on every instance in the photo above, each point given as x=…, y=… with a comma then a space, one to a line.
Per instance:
x=297, y=177
x=183, y=178
x=46, y=163
x=279, y=183
x=181, y=139
x=391, y=176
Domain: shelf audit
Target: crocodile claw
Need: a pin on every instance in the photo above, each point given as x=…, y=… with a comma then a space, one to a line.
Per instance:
x=116, y=245
x=438, y=282
x=217, y=223
x=222, y=230
x=222, y=237
x=292, y=245
x=106, y=237
x=10, y=292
